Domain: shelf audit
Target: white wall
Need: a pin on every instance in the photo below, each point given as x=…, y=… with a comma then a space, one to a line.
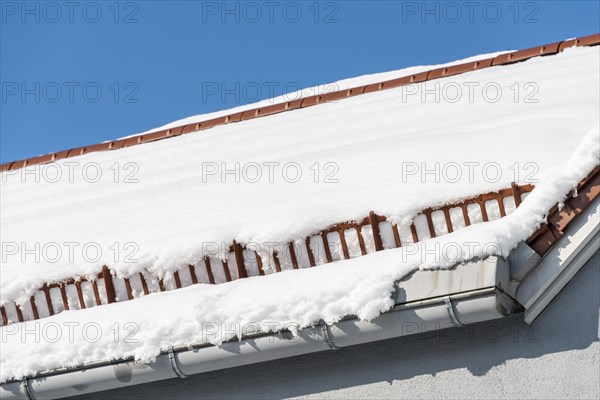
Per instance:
x=556, y=357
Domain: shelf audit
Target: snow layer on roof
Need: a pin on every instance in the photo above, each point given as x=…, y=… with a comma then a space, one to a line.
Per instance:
x=525, y=118
x=215, y=313
x=321, y=89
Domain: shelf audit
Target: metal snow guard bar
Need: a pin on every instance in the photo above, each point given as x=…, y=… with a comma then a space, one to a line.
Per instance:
x=540, y=241
x=502, y=59
x=246, y=262
x=559, y=219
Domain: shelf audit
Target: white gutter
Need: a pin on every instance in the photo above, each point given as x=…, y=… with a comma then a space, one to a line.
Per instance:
x=405, y=319
x=539, y=285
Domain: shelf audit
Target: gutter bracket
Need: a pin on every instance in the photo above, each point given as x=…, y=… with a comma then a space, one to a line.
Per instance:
x=451, y=312
x=328, y=335
x=175, y=364
x=25, y=384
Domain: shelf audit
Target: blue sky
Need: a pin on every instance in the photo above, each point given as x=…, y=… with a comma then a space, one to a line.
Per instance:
x=76, y=73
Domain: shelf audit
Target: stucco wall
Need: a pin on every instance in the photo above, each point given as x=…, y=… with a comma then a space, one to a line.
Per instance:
x=556, y=357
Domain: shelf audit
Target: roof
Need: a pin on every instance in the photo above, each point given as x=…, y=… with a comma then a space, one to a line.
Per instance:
x=157, y=182
x=171, y=213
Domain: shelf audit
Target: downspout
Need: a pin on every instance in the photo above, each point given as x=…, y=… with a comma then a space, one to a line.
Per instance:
x=405, y=319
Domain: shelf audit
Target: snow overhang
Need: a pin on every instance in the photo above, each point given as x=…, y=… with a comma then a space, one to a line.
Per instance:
x=425, y=301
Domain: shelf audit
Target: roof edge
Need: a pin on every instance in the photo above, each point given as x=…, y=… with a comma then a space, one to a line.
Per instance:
x=502, y=59
x=317, y=337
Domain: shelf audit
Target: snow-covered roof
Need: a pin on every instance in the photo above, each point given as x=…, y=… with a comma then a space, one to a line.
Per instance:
x=166, y=204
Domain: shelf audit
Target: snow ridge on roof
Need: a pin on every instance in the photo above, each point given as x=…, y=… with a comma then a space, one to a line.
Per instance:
x=245, y=113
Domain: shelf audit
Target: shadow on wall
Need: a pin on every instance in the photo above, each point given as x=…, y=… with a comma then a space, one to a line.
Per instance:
x=569, y=323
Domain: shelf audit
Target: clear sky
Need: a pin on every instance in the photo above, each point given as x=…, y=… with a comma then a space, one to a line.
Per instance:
x=76, y=73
